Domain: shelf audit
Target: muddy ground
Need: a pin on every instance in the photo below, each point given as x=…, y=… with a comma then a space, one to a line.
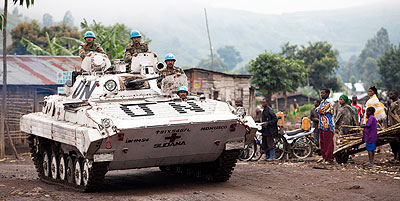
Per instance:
x=288, y=180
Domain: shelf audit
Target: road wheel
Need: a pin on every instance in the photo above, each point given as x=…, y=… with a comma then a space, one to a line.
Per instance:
x=46, y=164
x=85, y=173
x=62, y=170
x=54, y=166
x=70, y=170
x=78, y=172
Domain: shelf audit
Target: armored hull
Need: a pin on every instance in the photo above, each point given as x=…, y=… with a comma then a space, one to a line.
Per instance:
x=122, y=121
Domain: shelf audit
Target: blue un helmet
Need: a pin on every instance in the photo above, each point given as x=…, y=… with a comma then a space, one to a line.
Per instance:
x=89, y=34
x=182, y=88
x=169, y=56
x=135, y=33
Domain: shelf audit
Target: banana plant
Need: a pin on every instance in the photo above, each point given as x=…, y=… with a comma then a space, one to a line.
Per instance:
x=53, y=47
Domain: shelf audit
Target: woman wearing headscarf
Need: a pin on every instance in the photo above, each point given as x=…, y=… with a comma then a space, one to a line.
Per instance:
x=373, y=101
x=346, y=115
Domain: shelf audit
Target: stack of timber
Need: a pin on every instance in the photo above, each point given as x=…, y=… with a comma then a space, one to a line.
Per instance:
x=353, y=140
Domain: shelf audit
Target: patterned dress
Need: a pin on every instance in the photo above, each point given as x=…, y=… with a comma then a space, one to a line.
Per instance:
x=325, y=111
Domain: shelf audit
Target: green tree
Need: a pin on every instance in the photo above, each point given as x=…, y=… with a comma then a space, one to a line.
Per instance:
x=321, y=62
x=370, y=75
x=375, y=48
x=220, y=66
x=389, y=68
x=230, y=56
x=353, y=81
x=33, y=33
x=273, y=74
x=347, y=70
x=289, y=51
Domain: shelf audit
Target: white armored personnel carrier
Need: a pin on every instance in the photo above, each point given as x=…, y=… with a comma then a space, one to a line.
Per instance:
x=110, y=119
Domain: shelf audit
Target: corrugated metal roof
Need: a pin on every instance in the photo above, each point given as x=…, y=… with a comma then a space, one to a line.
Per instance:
x=37, y=70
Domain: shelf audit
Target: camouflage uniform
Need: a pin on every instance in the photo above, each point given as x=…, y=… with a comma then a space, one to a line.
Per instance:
x=84, y=49
x=174, y=71
x=132, y=49
x=345, y=116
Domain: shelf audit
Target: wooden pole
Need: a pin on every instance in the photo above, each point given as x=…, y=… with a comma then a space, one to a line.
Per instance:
x=209, y=40
x=4, y=87
x=11, y=142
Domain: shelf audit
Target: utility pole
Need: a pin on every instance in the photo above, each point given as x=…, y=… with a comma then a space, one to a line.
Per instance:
x=4, y=87
x=209, y=40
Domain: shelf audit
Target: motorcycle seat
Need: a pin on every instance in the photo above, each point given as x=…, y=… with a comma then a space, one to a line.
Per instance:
x=294, y=132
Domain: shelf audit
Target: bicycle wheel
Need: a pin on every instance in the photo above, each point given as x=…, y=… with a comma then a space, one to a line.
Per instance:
x=280, y=147
x=302, y=148
x=258, y=152
x=247, y=152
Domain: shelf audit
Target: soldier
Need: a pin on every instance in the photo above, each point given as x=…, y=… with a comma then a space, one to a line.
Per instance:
x=171, y=68
x=135, y=47
x=87, y=48
x=183, y=93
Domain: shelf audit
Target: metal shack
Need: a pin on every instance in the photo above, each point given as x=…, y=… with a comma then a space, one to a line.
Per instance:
x=29, y=80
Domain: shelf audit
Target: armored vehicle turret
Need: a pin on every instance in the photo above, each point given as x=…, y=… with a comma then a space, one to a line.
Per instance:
x=112, y=119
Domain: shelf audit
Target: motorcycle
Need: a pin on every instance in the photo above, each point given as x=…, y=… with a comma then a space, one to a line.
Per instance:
x=297, y=143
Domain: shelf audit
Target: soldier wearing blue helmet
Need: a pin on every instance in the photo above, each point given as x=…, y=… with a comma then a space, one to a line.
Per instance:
x=183, y=92
x=135, y=47
x=171, y=68
x=86, y=49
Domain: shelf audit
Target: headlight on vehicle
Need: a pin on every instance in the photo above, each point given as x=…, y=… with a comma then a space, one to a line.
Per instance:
x=106, y=122
x=241, y=111
x=110, y=85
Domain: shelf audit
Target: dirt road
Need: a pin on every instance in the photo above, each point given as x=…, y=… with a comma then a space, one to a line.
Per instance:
x=294, y=180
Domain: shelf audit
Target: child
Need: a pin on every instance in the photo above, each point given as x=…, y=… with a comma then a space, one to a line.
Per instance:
x=370, y=134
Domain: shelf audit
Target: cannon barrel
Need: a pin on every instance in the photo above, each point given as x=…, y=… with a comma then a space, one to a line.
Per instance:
x=129, y=82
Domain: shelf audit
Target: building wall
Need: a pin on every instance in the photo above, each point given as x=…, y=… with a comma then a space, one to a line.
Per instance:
x=225, y=87
x=22, y=100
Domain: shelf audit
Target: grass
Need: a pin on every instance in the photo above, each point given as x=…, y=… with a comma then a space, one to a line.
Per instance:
x=304, y=111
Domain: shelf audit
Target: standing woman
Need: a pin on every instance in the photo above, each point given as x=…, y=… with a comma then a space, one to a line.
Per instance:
x=373, y=101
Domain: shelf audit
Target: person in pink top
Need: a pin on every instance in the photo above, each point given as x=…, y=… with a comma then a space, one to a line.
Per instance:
x=370, y=134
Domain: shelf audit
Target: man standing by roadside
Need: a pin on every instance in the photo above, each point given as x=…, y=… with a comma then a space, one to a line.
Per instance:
x=394, y=118
x=326, y=126
x=315, y=119
x=360, y=109
x=269, y=129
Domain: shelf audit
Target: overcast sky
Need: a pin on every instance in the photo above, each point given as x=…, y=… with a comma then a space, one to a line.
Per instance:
x=102, y=9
